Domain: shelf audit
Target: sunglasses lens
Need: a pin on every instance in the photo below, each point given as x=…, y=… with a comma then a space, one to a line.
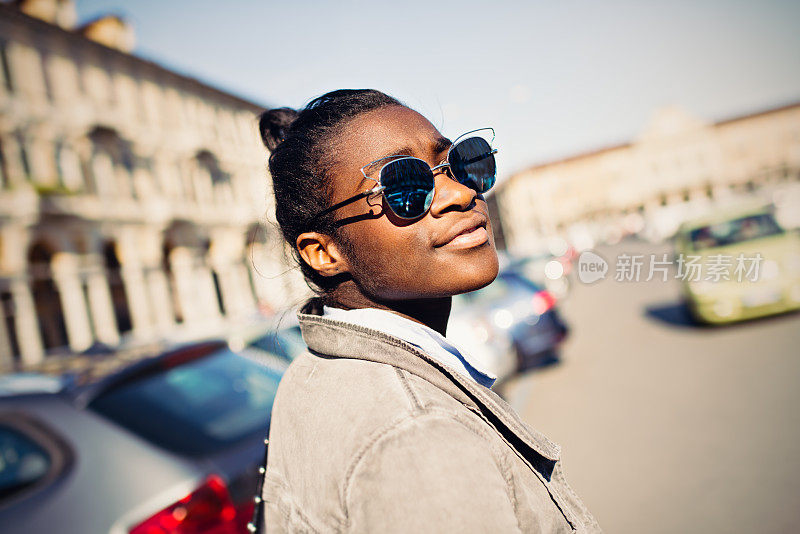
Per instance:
x=472, y=163
x=408, y=187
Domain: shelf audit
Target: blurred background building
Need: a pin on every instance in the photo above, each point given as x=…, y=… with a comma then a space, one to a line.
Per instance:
x=679, y=167
x=132, y=198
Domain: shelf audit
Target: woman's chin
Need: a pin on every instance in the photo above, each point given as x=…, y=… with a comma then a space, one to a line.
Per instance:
x=478, y=274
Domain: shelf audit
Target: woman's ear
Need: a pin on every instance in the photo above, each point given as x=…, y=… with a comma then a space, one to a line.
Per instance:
x=321, y=253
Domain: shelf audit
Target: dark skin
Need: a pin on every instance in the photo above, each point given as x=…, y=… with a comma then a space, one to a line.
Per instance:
x=412, y=268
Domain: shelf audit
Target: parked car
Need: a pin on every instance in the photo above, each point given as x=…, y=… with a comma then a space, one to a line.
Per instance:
x=549, y=269
x=766, y=282
x=511, y=325
x=171, y=443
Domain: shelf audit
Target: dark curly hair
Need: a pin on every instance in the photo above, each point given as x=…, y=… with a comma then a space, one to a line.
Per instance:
x=300, y=164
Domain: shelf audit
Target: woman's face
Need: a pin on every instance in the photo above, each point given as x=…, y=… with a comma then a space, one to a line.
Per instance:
x=447, y=251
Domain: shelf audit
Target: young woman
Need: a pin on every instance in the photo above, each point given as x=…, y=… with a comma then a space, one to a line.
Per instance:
x=384, y=425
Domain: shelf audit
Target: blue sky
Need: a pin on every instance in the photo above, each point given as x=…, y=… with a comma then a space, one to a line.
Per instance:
x=553, y=77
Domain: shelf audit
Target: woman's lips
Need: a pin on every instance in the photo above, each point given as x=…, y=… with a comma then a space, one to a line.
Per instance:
x=471, y=238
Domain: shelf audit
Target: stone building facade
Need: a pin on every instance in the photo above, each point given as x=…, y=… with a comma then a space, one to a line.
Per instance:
x=679, y=166
x=132, y=198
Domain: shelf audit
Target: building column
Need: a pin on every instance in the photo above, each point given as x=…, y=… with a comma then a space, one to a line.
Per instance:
x=138, y=302
x=273, y=286
x=188, y=285
x=240, y=283
x=27, y=325
x=102, y=308
x=132, y=257
x=13, y=165
x=73, y=300
x=208, y=293
x=160, y=296
x=259, y=286
x=229, y=287
x=243, y=283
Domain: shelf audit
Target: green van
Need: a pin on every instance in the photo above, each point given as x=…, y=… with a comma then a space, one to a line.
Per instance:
x=738, y=264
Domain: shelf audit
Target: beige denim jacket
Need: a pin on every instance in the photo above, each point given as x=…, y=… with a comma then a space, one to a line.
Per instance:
x=369, y=434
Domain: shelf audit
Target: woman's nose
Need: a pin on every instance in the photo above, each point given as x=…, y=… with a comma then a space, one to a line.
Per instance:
x=451, y=195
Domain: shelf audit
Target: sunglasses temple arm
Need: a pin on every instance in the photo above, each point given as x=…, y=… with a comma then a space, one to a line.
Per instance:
x=350, y=200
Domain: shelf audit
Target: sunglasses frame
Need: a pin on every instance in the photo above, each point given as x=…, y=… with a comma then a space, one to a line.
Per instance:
x=379, y=188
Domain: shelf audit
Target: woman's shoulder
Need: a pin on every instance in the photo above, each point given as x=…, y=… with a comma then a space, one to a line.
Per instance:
x=318, y=385
x=341, y=404
x=347, y=400
x=324, y=412
x=319, y=392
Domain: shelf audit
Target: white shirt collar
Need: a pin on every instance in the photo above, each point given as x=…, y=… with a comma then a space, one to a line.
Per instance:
x=428, y=340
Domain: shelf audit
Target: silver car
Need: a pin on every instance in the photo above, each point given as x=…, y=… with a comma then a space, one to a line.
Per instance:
x=172, y=443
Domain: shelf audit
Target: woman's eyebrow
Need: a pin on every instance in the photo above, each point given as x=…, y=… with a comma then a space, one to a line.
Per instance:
x=404, y=151
x=442, y=144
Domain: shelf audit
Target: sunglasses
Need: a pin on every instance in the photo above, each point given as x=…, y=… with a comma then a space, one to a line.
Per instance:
x=407, y=183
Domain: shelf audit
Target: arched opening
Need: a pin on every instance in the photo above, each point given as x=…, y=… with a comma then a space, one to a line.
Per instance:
x=116, y=285
x=191, y=277
x=112, y=163
x=46, y=297
x=211, y=179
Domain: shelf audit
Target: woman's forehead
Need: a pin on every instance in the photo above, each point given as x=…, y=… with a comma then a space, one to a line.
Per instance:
x=392, y=130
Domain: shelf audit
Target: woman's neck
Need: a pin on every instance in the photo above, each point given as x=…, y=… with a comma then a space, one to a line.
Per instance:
x=432, y=312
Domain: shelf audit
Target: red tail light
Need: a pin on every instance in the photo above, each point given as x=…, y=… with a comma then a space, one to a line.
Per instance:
x=543, y=301
x=207, y=510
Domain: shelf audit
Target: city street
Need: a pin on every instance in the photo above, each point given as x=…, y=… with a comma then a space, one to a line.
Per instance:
x=669, y=427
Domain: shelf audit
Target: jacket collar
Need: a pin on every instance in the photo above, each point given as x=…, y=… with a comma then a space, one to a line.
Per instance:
x=337, y=338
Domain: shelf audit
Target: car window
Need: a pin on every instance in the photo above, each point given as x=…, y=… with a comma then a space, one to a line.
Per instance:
x=197, y=408
x=23, y=462
x=734, y=231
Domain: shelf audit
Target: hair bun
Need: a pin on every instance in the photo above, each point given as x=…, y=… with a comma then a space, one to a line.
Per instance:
x=273, y=125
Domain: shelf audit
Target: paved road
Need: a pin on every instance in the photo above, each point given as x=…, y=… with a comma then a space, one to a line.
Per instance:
x=666, y=427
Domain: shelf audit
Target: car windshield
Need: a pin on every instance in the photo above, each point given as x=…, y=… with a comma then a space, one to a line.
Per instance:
x=196, y=408
x=735, y=231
